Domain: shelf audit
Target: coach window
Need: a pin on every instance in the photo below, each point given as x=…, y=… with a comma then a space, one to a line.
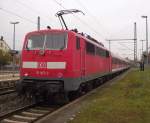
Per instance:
x=99, y=52
x=90, y=48
x=77, y=43
x=114, y=60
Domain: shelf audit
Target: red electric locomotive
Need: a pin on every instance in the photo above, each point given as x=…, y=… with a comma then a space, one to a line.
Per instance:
x=63, y=61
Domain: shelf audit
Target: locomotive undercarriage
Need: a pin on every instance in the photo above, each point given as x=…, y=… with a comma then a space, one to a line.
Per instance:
x=53, y=91
x=43, y=91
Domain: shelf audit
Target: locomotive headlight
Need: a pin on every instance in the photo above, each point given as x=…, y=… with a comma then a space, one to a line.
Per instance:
x=60, y=75
x=26, y=74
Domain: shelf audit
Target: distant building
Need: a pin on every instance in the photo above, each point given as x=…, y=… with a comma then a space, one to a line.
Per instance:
x=3, y=45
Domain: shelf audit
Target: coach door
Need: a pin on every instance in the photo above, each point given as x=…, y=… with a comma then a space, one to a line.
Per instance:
x=80, y=45
x=83, y=69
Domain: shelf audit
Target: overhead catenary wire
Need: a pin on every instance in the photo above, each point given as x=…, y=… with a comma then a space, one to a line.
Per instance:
x=33, y=10
x=127, y=42
x=125, y=46
x=95, y=18
x=59, y=4
x=83, y=22
x=14, y=14
x=131, y=54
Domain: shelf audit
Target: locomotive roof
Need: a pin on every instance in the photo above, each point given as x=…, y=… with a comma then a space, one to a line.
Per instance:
x=70, y=31
x=91, y=41
x=49, y=30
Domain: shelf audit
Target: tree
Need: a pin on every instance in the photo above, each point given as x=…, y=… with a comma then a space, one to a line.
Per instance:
x=5, y=58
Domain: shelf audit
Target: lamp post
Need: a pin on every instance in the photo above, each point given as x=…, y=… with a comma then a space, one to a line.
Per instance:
x=14, y=24
x=146, y=38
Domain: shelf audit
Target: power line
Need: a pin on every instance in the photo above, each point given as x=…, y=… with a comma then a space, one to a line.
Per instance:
x=59, y=4
x=122, y=29
x=14, y=14
x=79, y=19
x=95, y=18
x=127, y=42
x=125, y=47
x=131, y=54
x=90, y=27
x=33, y=10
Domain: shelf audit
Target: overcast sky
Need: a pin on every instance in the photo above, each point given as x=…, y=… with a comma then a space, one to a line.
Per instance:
x=103, y=19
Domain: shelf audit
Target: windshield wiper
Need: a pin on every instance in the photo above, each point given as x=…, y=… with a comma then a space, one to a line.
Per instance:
x=62, y=47
x=45, y=37
x=42, y=50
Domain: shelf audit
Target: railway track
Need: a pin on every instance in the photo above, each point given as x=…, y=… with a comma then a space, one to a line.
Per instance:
x=23, y=114
x=28, y=114
x=8, y=91
x=31, y=113
x=7, y=86
x=8, y=82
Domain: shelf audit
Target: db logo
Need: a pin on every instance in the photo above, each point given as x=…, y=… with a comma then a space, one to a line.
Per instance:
x=42, y=65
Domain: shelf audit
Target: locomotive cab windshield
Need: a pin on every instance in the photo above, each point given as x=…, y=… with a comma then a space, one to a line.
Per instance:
x=50, y=41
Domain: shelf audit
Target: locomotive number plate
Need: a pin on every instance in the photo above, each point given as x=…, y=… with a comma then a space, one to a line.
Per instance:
x=42, y=64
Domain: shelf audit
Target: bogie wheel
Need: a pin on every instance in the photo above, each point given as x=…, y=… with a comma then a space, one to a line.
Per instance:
x=61, y=98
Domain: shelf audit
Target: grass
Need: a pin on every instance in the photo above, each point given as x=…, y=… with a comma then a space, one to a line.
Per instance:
x=125, y=101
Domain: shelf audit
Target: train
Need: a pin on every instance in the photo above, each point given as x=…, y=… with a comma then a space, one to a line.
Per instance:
x=59, y=63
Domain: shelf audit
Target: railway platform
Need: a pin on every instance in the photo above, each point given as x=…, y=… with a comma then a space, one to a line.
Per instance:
x=9, y=76
x=8, y=80
x=123, y=99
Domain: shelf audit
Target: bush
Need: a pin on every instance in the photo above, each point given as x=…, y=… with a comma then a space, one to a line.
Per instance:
x=5, y=58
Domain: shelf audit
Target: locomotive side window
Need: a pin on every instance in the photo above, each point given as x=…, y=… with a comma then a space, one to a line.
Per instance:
x=90, y=48
x=52, y=41
x=77, y=43
x=107, y=54
x=101, y=52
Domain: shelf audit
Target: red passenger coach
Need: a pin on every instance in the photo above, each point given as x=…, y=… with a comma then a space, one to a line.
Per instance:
x=119, y=63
